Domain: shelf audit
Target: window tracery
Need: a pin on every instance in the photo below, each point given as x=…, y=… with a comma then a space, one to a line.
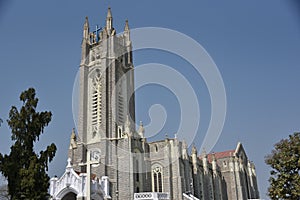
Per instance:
x=157, y=179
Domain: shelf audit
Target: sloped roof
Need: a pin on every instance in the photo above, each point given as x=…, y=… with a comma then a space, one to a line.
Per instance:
x=219, y=155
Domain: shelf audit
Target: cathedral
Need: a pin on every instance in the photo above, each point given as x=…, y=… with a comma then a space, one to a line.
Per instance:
x=110, y=159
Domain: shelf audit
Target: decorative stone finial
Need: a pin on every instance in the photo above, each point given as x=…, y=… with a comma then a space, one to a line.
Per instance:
x=126, y=26
x=204, y=153
x=194, y=158
x=109, y=15
x=166, y=136
x=69, y=163
x=194, y=149
x=86, y=20
x=86, y=23
x=184, y=145
x=184, y=150
x=73, y=140
x=73, y=135
x=213, y=156
x=109, y=22
x=86, y=29
x=141, y=130
x=214, y=163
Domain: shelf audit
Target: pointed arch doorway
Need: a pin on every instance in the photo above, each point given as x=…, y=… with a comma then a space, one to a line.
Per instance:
x=70, y=196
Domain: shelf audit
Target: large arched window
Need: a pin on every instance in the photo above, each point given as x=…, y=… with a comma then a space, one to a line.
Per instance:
x=157, y=178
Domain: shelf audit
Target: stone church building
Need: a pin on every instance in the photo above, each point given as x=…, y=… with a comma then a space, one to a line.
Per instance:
x=109, y=159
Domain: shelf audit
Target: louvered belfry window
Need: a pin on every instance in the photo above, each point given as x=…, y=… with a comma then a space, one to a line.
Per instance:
x=96, y=102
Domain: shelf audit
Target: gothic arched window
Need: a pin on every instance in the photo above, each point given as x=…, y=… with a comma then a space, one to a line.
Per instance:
x=96, y=102
x=157, y=179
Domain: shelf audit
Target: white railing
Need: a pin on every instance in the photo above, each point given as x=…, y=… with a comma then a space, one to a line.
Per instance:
x=151, y=196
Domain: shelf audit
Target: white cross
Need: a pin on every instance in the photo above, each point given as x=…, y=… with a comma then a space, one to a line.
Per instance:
x=89, y=163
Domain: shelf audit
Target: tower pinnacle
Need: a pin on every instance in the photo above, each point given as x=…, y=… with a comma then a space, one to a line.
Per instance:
x=141, y=130
x=109, y=20
x=127, y=34
x=126, y=26
x=109, y=13
x=86, y=28
x=184, y=150
x=86, y=23
x=194, y=149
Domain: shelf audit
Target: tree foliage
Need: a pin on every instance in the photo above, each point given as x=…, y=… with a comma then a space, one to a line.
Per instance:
x=285, y=163
x=24, y=169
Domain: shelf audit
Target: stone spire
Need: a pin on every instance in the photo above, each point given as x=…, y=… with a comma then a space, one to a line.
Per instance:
x=86, y=29
x=85, y=42
x=141, y=130
x=109, y=15
x=126, y=26
x=109, y=20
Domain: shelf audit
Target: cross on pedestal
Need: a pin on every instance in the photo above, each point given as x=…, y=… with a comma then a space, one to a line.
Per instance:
x=89, y=163
x=97, y=32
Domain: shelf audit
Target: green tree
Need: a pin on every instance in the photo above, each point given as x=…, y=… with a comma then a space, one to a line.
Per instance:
x=24, y=169
x=285, y=163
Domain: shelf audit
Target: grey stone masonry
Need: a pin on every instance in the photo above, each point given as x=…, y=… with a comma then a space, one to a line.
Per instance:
x=134, y=167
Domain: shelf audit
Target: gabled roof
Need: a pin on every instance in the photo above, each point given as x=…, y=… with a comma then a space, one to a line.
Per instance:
x=240, y=151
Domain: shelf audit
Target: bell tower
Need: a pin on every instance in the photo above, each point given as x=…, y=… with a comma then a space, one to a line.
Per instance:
x=106, y=82
x=106, y=117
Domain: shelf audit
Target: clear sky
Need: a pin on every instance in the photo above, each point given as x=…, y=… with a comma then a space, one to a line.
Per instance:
x=255, y=44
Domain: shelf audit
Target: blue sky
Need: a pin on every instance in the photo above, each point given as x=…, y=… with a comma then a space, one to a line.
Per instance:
x=255, y=44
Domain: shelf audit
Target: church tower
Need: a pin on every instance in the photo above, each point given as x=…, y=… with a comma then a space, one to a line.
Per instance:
x=106, y=119
x=106, y=82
